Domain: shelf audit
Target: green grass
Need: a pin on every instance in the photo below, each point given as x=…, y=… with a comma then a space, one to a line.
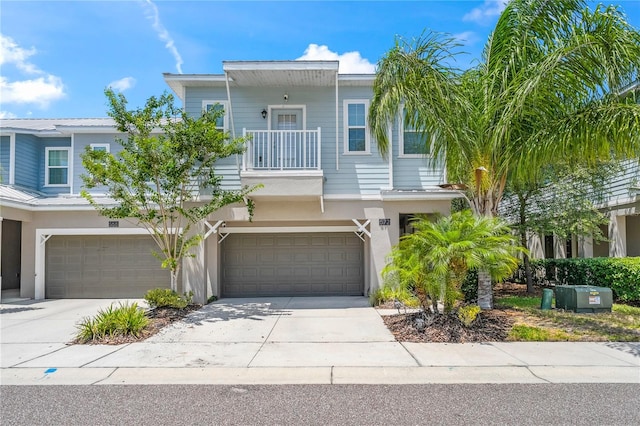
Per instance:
x=527, y=333
x=622, y=324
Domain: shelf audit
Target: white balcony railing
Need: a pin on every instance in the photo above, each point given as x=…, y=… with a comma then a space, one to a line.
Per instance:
x=282, y=150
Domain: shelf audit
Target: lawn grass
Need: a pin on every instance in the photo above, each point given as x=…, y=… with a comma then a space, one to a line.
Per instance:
x=534, y=324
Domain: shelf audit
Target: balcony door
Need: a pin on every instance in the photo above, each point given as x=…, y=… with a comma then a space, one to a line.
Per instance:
x=286, y=143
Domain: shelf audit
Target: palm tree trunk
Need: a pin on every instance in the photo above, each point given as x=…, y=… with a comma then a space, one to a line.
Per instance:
x=485, y=290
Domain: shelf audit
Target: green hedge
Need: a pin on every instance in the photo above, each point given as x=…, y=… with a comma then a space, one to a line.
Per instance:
x=620, y=274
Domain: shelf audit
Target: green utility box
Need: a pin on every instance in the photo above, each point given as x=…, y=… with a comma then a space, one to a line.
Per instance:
x=583, y=298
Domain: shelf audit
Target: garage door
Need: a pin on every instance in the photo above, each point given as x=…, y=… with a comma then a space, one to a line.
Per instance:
x=292, y=265
x=90, y=266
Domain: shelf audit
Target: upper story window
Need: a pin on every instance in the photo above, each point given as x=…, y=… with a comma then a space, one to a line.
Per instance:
x=57, y=166
x=356, y=134
x=222, y=123
x=413, y=143
x=100, y=147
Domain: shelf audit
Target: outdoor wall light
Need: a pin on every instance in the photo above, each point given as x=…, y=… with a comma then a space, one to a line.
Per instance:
x=264, y=113
x=286, y=97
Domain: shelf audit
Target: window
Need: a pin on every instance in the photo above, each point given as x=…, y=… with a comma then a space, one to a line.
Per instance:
x=222, y=123
x=100, y=147
x=413, y=143
x=356, y=134
x=57, y=166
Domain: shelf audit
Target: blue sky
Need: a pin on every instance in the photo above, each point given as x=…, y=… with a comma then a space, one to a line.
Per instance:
x=57, y=57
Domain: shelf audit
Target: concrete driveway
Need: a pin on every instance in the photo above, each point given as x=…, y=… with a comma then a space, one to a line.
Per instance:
x=274, y=332
x=285, y=340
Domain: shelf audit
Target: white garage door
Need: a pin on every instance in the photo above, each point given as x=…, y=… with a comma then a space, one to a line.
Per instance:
x=292, y=265
x=90, y=266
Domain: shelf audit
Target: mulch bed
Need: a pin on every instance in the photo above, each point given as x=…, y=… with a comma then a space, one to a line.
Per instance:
x=489, y=326
x=158, y=319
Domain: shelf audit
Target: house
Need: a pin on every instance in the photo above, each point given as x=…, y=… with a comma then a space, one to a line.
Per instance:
x=620, y=203
x=329, y=211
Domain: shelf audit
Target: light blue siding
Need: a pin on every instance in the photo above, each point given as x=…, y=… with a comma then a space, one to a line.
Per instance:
x=62, y=142
x=620, y=186
x=28, y=170
x=350, y=174
x=5, y=146
x=80, y=143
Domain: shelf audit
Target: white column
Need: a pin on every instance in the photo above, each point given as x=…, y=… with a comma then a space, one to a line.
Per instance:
x=585, y=247
x=194, y=267
x=617, y=235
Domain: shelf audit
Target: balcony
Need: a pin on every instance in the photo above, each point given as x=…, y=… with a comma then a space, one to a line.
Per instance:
x=286, y=162
x=271, y=150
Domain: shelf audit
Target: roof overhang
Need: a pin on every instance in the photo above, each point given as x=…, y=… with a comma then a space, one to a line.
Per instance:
x=428, y=194
x=281, y=73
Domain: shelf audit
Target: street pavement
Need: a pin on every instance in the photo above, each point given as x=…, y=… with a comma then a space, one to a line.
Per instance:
x=299, y=340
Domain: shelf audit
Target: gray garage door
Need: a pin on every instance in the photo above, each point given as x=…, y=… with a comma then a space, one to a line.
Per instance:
x=292, y=265
x=90, y=266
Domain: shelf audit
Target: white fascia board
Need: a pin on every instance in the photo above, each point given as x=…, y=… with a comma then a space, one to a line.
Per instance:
x=87, y=129
x=280, y=65
x=284, y=229
x=420, y=195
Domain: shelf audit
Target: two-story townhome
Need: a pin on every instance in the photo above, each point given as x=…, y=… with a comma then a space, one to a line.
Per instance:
x=325, y=219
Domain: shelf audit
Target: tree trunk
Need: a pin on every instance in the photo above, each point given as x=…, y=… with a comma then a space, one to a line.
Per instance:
x=485, y=290
x=174, y=279
x=522, y=199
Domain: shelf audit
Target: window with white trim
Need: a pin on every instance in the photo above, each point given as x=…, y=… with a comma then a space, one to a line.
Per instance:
x=413, y=143
x=356, y=134
x=222, y=123
x=57, y=166
x=100, y=147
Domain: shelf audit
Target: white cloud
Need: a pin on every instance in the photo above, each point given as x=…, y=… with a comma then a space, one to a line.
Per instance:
x=40, y=91
x=350, y=62
x=483, y=14
x=123, y=84
x=154, y=15
x=7, y=114
x=467, y=38
x=11, y=53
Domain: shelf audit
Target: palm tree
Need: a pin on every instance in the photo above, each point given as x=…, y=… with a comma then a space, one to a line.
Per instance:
x=552, y=83
x=436, y=258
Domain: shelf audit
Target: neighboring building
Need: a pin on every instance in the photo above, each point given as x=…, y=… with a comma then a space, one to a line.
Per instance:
x=329, y=212
x=621, y=203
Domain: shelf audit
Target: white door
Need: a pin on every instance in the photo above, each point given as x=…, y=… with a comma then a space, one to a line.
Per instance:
x=287, y=143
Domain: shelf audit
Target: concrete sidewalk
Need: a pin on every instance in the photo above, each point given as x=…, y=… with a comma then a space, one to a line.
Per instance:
x=285, y=341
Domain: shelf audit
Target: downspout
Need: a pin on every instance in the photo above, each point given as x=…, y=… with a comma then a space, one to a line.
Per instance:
x=71, y=168
x=12, y=159
x=337, y=128
x=389, y=136
x=233, y=127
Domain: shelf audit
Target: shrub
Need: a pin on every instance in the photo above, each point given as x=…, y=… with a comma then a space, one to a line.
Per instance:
x=468, y=314
x=389, y=292
x=125, y=320
x=165, y=297
x=621, y=275
x=469, y=286
x=212, y=298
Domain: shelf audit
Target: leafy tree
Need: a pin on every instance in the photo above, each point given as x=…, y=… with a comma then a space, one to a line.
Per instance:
x=562, y=204
x=555, y=81
x=166, y=158
x=435, y=259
